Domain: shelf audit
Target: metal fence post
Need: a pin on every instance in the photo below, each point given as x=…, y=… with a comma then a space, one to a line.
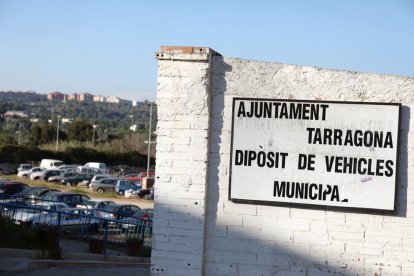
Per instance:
x=105, y=237
x=58, y=230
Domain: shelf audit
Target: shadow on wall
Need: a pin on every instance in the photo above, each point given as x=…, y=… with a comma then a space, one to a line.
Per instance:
x=402, y=171
x=240, y=250
x=218, y=90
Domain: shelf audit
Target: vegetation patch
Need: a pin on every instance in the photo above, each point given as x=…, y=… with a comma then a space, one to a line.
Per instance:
x=25, y=237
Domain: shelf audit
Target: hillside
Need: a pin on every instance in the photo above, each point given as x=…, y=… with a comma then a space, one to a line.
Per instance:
x=112, y=124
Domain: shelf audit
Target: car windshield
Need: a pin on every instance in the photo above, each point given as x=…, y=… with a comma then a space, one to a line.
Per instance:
x=90, y=202
x=111, y=208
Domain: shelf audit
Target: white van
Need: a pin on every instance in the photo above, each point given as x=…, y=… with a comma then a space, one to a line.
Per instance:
x=50, y=163
x=100, y=166
x=88, y=170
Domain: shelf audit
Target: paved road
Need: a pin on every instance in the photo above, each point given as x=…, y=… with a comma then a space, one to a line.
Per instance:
x=71, y=271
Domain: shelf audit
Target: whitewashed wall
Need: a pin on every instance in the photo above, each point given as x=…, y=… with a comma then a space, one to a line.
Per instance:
x=218, y=237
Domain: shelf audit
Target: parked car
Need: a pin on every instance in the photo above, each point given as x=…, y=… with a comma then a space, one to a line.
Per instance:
x=68, y=168
x=72, y=199
x=12, y=187
x=139, y=176
x=7, y=169
x=122, y=169
x=91, y=204
x=124, y=185
x=100, y=176
x=12, y=206
x=146, y=193
x=51, y=172
x=27, y=173
x=32, y=194
x=37, y=175
x=76, y=179
x=50, y=163
x=117, y=211
x=26, y=214
x=104, y=185
x=90, y=170
x=72, y=220
x=100, y=166
x=137, y=222
x=24, y=167
x=58, y=178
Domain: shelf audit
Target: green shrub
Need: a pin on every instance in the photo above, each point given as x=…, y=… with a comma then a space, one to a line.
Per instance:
x=25, y=237
x=71, y=155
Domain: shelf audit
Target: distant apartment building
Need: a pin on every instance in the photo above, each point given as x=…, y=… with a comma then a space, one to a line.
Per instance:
x=56, y=96
x=19, y=96
x=101, y=99
x=86, y=97
x=73, y=97
x=113, y=99
x=15, y=113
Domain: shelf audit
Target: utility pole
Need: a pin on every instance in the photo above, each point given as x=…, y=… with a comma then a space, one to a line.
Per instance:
x=93, y=137
x=57, y=133
x=20, y=127
x=149, y=135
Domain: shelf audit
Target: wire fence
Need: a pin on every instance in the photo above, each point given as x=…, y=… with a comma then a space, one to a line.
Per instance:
x=100, y=227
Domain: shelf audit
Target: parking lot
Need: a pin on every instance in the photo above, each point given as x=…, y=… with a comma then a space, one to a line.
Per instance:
x=79, y=215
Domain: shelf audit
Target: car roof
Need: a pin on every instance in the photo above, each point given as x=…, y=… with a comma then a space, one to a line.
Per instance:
x=99, y=200
x=118, y=205
x=68, y=193
x=50, y=203
x=31, y=189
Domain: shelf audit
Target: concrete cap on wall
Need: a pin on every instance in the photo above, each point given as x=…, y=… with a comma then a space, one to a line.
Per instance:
x=185, y=53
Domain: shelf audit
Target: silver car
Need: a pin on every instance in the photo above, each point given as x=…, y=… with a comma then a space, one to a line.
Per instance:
x=27, y=214
x=72, y=220
x=104, y=185
x=58, y=178
x=27, y=173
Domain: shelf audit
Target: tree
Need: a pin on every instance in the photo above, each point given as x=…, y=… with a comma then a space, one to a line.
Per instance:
x=6, y=139
x=80, y=130
x=48, y=133
x=36, y=135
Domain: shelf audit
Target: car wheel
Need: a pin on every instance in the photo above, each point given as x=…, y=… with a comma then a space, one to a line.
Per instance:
x=100, y=190
x=121, y=192
x=68, y=184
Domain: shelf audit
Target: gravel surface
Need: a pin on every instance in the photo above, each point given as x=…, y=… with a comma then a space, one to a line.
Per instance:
x=142, y=203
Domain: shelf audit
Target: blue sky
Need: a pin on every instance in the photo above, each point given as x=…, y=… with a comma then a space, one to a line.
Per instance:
x=107, y=47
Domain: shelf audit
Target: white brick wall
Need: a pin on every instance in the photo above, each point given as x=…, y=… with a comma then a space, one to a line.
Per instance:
x=181, y=172
x=193, y=154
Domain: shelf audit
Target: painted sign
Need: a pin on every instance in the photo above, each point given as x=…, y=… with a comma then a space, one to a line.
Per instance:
x=320, y=154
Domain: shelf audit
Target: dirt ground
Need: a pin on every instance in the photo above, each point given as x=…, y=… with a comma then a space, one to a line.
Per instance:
x=141, y=203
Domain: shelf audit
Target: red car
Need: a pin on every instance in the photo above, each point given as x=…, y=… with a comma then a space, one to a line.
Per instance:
x=138, y=177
